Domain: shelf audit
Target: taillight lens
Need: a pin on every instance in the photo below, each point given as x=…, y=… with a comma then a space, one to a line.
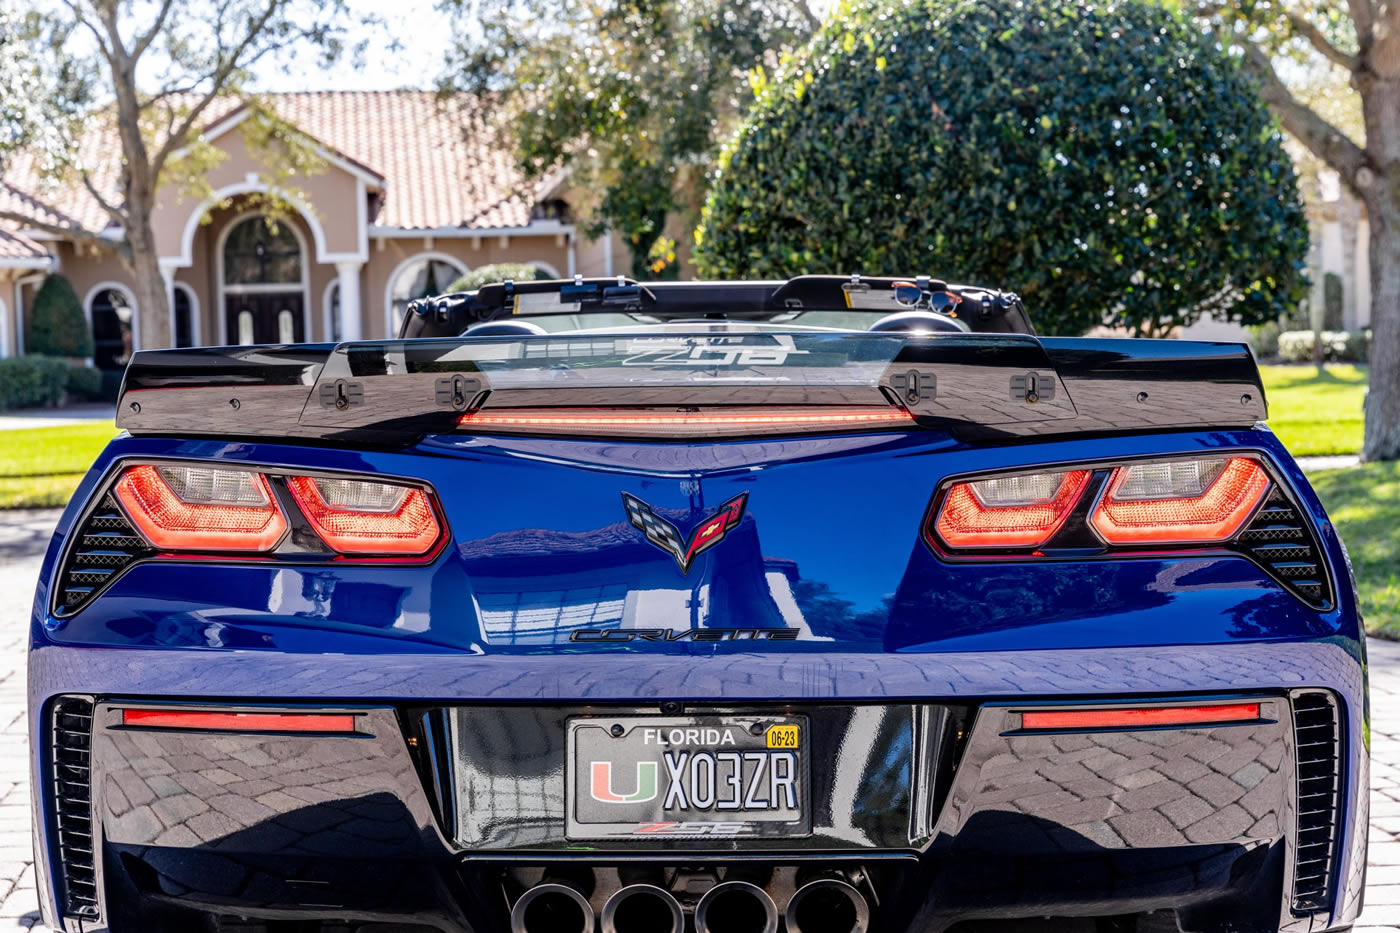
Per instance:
x=1022, y=510
x=1198, y=501
x=360, y=517
x=202, y=508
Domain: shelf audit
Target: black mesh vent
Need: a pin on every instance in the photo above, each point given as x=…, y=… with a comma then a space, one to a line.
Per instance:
x=105, y=546
x=72, y=802
x=1319, y=757
x=1282, y=543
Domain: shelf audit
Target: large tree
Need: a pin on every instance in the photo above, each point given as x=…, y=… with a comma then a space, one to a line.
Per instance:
x=1361, y=39
x=634, y=97
x=146, y=72
x=1104, y=159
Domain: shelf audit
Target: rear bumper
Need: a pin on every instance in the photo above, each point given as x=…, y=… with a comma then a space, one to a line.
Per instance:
x=1201, y=820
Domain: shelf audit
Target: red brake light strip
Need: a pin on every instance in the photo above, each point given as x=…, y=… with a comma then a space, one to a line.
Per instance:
x=238, y=722
x=1139, y=716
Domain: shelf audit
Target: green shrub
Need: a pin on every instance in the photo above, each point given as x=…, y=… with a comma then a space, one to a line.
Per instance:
x=1104, y=160
x=57, y=325
x=32, y=381
x=85, y=382
x=498, y=272
x=1338, y=346
x=1263, y=339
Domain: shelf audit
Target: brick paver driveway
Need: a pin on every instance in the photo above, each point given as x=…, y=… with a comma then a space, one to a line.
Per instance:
x=24, y=535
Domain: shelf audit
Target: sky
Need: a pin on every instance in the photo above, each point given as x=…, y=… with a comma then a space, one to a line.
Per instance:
x=425, y=33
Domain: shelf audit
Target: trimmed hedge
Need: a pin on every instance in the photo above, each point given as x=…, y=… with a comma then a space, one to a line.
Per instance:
x=57, y=325
x=1338, y=346
x=32, y=381
x=1104, y=159
x=497, y=272
x=85, y=382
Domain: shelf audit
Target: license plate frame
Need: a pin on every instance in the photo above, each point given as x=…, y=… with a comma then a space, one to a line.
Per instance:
x=594, y=740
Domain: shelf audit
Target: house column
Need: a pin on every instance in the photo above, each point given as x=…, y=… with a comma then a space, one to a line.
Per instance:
x=351, y=315
x=167, y=273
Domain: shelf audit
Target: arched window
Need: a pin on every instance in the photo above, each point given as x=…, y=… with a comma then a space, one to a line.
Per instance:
x=184, y=315
x=263, y=286
x=419, y=277
x=259, y=252
x=113, y=314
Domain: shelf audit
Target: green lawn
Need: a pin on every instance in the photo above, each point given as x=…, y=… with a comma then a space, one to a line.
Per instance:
x=1364, y=502
x=1316, y=414
x=42, y=466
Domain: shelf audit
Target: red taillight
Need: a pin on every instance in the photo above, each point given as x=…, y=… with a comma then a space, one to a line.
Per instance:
x=360, y=517
x=1139, y=716
x=202, y=508
x=1021, y=510
x=1201, y=501
x=238, y=722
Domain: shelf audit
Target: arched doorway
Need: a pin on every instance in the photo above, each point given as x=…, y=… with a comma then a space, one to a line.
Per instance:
x=263, y=276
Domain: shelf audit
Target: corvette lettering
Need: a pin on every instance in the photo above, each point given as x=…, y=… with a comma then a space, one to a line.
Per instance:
x=622, y=636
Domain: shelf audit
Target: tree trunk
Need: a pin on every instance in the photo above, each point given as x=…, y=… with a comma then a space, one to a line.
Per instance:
x=153, y=303
x=1383, y=399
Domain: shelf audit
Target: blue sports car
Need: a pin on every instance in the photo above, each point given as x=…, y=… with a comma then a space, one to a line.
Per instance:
x=830, y=605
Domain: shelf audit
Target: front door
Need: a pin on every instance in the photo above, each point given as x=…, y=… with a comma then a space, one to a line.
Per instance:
x=265, y=317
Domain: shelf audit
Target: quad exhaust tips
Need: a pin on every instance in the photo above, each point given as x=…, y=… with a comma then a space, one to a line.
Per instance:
x=827, y=905
x=552, y=907
x=643, y=908
x=736, y=907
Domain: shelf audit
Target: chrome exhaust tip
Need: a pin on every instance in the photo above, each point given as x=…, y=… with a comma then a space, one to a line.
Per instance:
x=643, y=908
x=736, y=907
x=552, y=907
x=827, y=905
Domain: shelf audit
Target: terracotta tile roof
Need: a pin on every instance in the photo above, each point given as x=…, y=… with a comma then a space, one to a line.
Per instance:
x=442, y=163
x=15, y=246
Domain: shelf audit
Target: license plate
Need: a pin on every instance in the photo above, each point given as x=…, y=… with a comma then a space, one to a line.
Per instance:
x=687, y=777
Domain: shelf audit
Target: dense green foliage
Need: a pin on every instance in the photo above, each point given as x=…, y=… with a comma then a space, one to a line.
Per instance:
x=57, y=325
x=32, y=381
x=85, y=383
x=1104, y=160
x=497, y=272
x=1332, y=290
x=633, y=96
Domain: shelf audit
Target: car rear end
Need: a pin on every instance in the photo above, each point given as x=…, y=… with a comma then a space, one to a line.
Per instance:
x=706, y=628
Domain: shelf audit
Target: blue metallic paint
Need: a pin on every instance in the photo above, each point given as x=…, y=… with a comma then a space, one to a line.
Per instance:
x=838, y=518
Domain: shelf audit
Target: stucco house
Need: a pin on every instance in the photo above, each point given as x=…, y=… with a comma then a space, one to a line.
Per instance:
x=411, y=195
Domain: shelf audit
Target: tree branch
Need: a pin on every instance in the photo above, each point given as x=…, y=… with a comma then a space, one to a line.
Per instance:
x=112, y=210
x=144, y=40
x=1322, y=138
x=75, y=233
x=177, y=138
x=1304, y=27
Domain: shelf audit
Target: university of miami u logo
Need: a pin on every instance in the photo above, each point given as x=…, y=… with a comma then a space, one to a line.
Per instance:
x=602, y=789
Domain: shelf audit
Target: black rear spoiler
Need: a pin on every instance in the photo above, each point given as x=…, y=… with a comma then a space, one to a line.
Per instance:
x=977, y=386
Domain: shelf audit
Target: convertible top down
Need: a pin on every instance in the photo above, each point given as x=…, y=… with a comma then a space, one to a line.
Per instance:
x=821, y=606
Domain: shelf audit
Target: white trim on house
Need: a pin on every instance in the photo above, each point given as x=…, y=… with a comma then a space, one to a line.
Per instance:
x=398, y=270
x=4, y=329
x=196, y=331
x=27, y=262
x=538, y=228
x=326, y=329
x=130, y=300
x=222, y=290
x=318, y=234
